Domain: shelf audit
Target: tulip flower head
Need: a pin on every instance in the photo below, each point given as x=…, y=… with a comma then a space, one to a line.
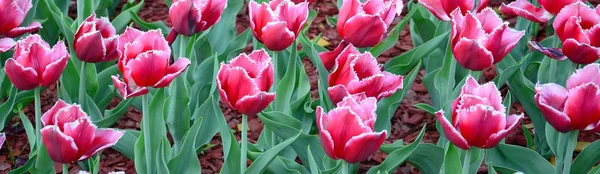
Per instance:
x=365, y=24
x=578, y=27
x=481, y=40
x=478, y=117
x=278, y=23
x=70, y=136
x=244, y=82
x=356, y=73
x=554, y=6
x=35, y=63
x=145, y=63
x=193, y=16
x=96, y=40
x=13, y=14
x=575, y=107
x=443, y=8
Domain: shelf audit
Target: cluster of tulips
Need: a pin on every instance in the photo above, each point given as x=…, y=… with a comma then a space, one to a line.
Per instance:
x=357, y=96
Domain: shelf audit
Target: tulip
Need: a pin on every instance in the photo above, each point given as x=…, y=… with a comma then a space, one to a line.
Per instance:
x=347, y=132
x=96, y=41
x=443, y=8
x=481, y=40
x=478, y=117
x=328, y=58
x=193, y=16
x=554, y=6
x=278, y=23
x=145, y=63
x=35, y=63
x=70, y=136
x=527, y=10
x=355, y=73
x=244, y=83
x=13, y=13
x=573, y=108
x=310, y=2
x=365, y=24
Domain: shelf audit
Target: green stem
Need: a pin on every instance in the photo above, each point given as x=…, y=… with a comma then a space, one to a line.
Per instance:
x=571, y=143
x=467, y=162
x=146, y=130
x=345, y=168
x=244, y=142
x=65, y=168
x=560, y=152
x=38, y=116
x=273, y=138
x=183, y=41
x=275, y=68
x=82, y=77
x=553, y=62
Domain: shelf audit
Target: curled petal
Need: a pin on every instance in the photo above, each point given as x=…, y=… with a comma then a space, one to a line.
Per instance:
x=554, y=53
x=68, y=114
x=364, y=30
x=363, y=106
x=252, y=105
x=127, y=91
x=185, y=16
x=6, y=44
x=465, y=27
x=337, y=93
x=580, y=53
x=328, y=58
x=230, y=81
x=472, y=55
x=82, y=132
x=149, y=68
x=587, y=74
x=104, y=138
x=451, y=133
x=24, y=78
x=173, y=71
x=490, y=21
x=59, y=58
x=360, y=147
x=349, y=9
x=48, y=117
x=436, y=7
x=502, y=40
x=211, y=14
x=276, y=36
x=512, y=122
x=325, y=137
x=260, y=16
x=128, y=37
x=551, y=98
x=572, y=16
x=16, y=32
x=2, y=139
x=61, y=147
x=391, y=84
x=295, y=15
x=370, y=86
x=527, y=10
x=581, y=106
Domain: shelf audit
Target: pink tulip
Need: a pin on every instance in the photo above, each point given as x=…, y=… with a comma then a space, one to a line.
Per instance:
x=578, y=27
x=356, y=73
x=573, y=108
x=481, y=40
x=193, y=16
x=443, y=8
x=35, y=63
x=527, y=10
x=244, y=82
x=145, y=63
x=278, y=23
x=13, y=14
x=365, y=24
x=347, y=132
x=70, y=136
x=555, y=6
x=478, y=117
x=96, y=40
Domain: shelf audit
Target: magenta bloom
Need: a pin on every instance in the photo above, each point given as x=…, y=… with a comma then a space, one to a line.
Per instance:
x=35, y=63
x=347, y=132
x=13, y=13
x=278, y=23
x=96, y=40
x=573, y=108
x=193, y=16
x=578, y=27
x=481, y=40
x=478, y=117
x=356, y=73
x=527, y=10
x=244, y=83
x=443, y=8
x=365, y=24
x=145, y=63
x=70, y=136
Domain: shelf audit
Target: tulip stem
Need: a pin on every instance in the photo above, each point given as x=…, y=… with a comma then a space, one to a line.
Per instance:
x=553, y=62
x=276, y=68
x=467, y=162
x=244, y=142
x=571, y=138
x=65, y=168
x=82, y=77
x=560, y=148
x=38, y=116
x=146, y=130
x=345, y=167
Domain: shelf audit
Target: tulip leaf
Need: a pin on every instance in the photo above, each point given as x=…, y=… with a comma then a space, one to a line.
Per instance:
x=397, y=157
x=426, y=107
x=26, y=167
x=587, y=159
x=162, y=156
x=178, y=111
x=280, y=164
x=113, y=115
x=260, y=164
x=43, y=163
x=518, y=158
x=452, y=161
x=422, y=25
x=285, y=87
x=444, y=81
x=393, y=36
x=209, y=112
x=29, y=130
x=314, y=57
x=428, y=158
x=225, y=30
x=314, y=169
x=7, y=106
x=85, y=8
x=149, y=25
x=387, y=107
x=124, y=145
x=123, y=19
x=403, y=64
x=186, y=161
x=92, y=110
x=157, y=123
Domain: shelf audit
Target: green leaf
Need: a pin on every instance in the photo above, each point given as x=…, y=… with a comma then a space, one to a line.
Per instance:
x=209, y=112
x=113, y=115
x=224, y=31
x=25, y=168
x=393, y=36
x=178, y=111
x=518, y=158
x=587, y=159
x=314, y=57
x=7, y=106
x=444, y=80
x=29, y=130
x=314, y=169
x=186, y=161
x=404, y=63
x=149, y=25
x=397, y=157
x=428, y=158
x=123, y=19
x=259, y=165
x=157, y=123
x=85, y=8
x=426, y=107
x=452, y=160
x=43, y=163
x=124, y=145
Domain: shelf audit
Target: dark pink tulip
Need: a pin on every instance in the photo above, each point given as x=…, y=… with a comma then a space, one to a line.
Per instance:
x=578, y=27
x=96, y=40
x=145, y=62
x=365, y=24
x=192, y=16
x=347, y=132
x=443, y=8
x=573, y=108
x=244, y=83
x=527, y=10
x=478, y=117
x=356, y=73
x=481, y=40
x=555, y=6
x=328, y=58
x=278, y=23
x=35, y=63
x=70, y=136
x=13, y=13
x=310, y=2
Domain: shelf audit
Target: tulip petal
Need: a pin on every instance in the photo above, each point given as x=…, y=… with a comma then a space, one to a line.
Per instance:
x=337, y=93
x=551, y=98
x=511, y=123
x=295, y=15
x=112, y=51
x=554, y=53
x=6, y=44
x=436, y=7
x=90, y=47
x=173, y=71
x=363, y=106
x=104, y=138
x=451, y=133
x=149, y=67
x=231, y=79
x=343, y=124
x=61, y=147
x=48, y=117
x=328, y=58
x=391, y=84
x=325, y=137
x=477, y=123
x=211, y=14
x=465, y=27
x=59, y=58
x=13, y=14
x=502, y=40
x=349, y=9
x=276, y=36
x=16, y=32
x=128, y=91
x=185, y=16
x=2, y=139
x=360, y=147
x=490, y=21
x=82, y=132
x=371, y=86
x=68, y=114
x=587, y=74
x=128, y=37
x=260, y=16
x=342, y=70
x=24, y=78
x=252, y=105
x=472, y=55
x=582, y=106
x=490, y=92
x=579, y=52
x=527, y=10
x=554, y=6
x=572, y=17
x=364, y=30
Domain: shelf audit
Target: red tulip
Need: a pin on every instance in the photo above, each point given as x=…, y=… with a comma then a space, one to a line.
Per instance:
x=96, y=41
x=356, y=73
x=35, y=63
x=555, y=6
x=145, y=63
x=443, y=8
x=244, y=82
x=328, y=58
x=278, y=23
x=13, y=13
x=481, y=40
x=578, y=27
x=192, y=16
x=70, y=136
x=478, y=117
x=573, y=108
x=365, y=24
x=527, y=10
x=347, y=132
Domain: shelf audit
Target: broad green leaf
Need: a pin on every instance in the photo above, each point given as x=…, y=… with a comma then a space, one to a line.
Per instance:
x=113, y=115
x=426, y=107
x=224, y=31
x=29, y=130
x=7, y=106
x=123, y=19
x=124, y=145
x=259, y=165
x=397, y=157
x=186, y=161
x=157, y=123
x=452, y=161
x=587, y=159
x=518, y=158
x=392, y=38
x=210, y=113
x=314, y=169
x=403, y=64
x=314, y=57
x=149, y=25
x=178, y=112
x=428, y=158
x=85, y=8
